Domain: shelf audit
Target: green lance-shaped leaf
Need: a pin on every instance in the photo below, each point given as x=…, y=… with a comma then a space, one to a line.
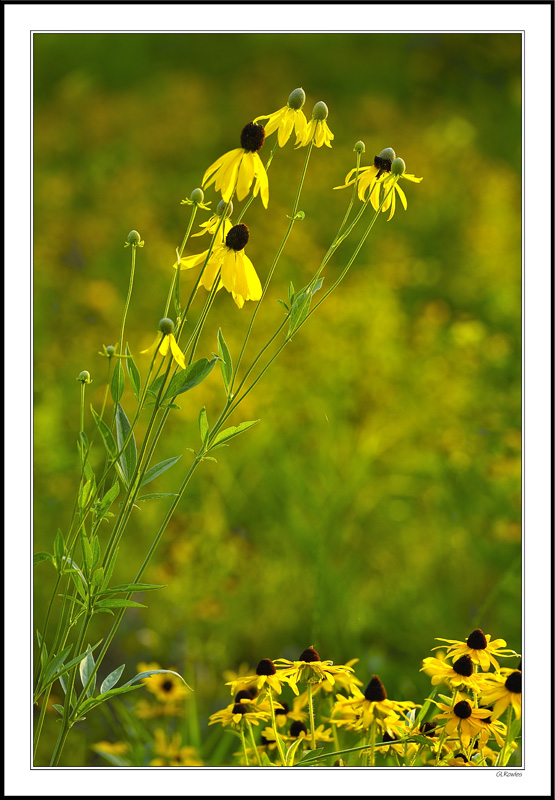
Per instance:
x=111, y=680
x=108, y=498
x=155, y=496
x=189, y=378
x=105, y=432
x=59, y=549
x=203, y=426
x=93, y=702
x=38, y=557
x=87, y=553
x=225, y=363
x=133, y=372
x=86, y=669
x=300, y=305
x=132, y=587
x=118, y=602
x=158, y=469
x=117, y=384
x=150, y=672
x=230, y=433
x=128, y=459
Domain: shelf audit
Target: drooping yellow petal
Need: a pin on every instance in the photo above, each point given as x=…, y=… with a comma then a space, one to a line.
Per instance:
x=261, y=181
x=211, y=269
x=153, y=346
x=164, y=346
x=191, y=261
x=402, y=195
x=219, y=164
x=176, y=352
x=228, y=269
x=286, y=127
x=247, y=283
x=246, y=176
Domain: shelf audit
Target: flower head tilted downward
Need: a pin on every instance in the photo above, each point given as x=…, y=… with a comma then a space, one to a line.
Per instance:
x=229, y=261
x=317, y=130
x=237, y=169
x=289, y=117
x=309, y=669
x=165, y=341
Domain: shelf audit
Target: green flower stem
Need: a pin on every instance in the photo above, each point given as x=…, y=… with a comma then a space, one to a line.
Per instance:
x=253, y=744
x=443, y=733
x=177, y=271
x=274, y=263
x=373, y=743
x=242, y=731
x=503, y=757
x=128, y=299
x=274, y=728
x=311, y=717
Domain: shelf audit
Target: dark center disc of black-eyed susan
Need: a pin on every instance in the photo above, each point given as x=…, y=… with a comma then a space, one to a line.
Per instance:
x=375, y=691
x=284, y=710
x=462, y=709
x=477, y=640
x=428, y=728
x=463, y=666
x=252, y=137
x=514, y=682
x=237, y=237
x=245, y=694
x=266, y=667
x=388, y=738
x=462, y=757
x=264, y=741
x=297, y=728
x=309, y=654
x=382, y=165
x=239, y=708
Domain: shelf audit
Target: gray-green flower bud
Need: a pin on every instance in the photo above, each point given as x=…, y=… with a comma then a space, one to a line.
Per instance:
x=220, y=208
x=110, y=350
x=133, y=237
x=320, y=111
x=296, y=99
x=388, y=154
x=197, y=196
x=398, y=166
x=84, y=377
x=359, y=147
x=166, y=325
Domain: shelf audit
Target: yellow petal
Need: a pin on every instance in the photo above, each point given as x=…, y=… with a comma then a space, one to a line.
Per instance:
x=246, y=176
x=228, y=269
x=176, y=352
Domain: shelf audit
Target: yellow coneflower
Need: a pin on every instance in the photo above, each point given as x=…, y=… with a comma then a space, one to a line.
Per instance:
x=287, y=118
x=479, y=647
x=228, y=259
x=503, y=692
x=461, y=673
x=309, y=669
x=367, y=177
x=166, y=341
x=266, y=676
x=237, y=169
x=462, y=719
x=317, y=130
x=235, y=713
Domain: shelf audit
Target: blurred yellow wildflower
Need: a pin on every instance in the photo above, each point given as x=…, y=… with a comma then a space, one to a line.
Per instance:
x=165, y=341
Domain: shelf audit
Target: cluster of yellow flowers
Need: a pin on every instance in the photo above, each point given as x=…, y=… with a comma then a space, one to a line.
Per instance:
x=464, y=732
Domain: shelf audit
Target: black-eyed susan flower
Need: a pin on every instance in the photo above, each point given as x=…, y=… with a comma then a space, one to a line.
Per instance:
x=492, y=727
x=317, y=130
x=391, y=187
x=266, y=676
x=287, y=118
x=170, y=752
x=309, y=669
x=166, y=341
x=460, y=673
x=234, y=714
x=503, y=691
x=112, y=748
x=342, y=680
x=367, y=177
x=298, y=730
x=479, y=647
x=230, y=262
x=462, y=719
x=211, y=225
x=372, y=704
x=237, y=169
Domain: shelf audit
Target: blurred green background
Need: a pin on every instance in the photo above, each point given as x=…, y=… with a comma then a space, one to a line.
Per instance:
x=377, y=504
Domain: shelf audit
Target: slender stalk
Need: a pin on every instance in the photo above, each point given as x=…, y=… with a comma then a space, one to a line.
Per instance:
x=503, y=757
x=311, y=717
x=274, y=728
